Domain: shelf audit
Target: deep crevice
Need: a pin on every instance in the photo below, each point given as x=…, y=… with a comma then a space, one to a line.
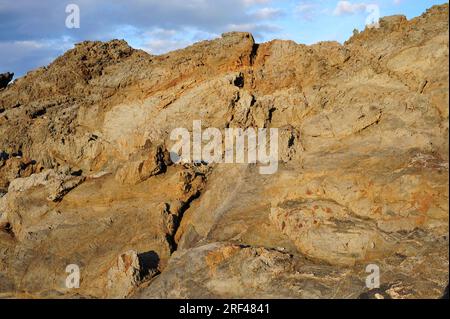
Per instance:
x=179, y=217
x=9, y=230
x=254, y=54
x=149, y=262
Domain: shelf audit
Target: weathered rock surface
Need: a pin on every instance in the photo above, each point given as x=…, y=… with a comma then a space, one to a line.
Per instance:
x=86, y=178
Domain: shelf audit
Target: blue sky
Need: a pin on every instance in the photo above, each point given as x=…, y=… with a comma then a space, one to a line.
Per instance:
x=33, y=32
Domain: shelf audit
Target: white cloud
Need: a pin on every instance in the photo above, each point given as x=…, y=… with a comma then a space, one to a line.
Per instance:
x=160, y=41
x=255, y=2
x=254, y=28
x=160, y=32
x=306, y=9
x=152, y=24
x=24, y=55
x=267, y=13
x=346, y=7
x=42, y=19
x=160, y=46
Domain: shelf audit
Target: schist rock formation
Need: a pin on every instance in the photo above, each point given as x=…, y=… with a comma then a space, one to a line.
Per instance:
x=86, y=177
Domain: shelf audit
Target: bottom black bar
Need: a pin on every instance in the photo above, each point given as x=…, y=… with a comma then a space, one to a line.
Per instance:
x=224, y=308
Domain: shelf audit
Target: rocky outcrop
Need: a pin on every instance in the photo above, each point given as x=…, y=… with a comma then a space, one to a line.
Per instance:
x=327, y=231
x=224, y=270
x=124, y=276
x=143, y=165
x=86, y=177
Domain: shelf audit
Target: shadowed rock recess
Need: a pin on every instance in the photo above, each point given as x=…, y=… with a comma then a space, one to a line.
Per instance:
x=86, y=176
